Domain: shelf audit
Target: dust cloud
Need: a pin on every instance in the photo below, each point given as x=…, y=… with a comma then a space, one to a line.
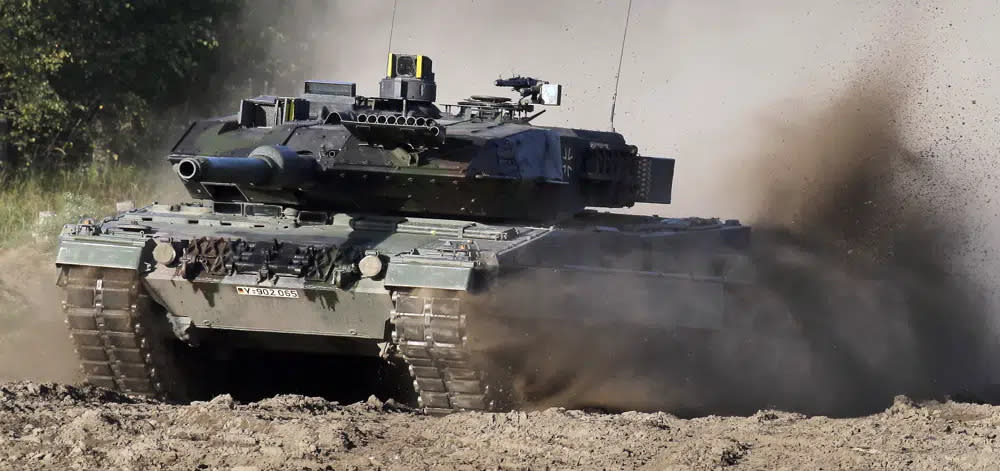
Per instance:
x=857, y=291
x=859, y=241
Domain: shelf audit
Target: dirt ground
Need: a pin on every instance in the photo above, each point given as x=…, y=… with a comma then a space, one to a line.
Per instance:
x=49, y=426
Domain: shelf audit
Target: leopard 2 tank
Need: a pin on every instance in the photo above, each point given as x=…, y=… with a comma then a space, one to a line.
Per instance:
x=385, y=227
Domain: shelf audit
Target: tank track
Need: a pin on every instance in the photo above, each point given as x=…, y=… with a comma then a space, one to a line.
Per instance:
x=111, y=322
x=430, y=335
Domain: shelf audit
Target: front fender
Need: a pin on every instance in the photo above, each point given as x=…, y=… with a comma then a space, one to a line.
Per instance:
x=98, y=251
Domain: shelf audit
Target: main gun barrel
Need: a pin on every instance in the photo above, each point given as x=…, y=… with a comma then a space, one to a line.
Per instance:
x=240, y=170
x=267, y=166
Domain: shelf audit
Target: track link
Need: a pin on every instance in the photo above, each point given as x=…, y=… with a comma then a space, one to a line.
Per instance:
x=110, y=321
x=430, y=335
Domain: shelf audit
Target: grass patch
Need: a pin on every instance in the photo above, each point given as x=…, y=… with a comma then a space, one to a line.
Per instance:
x=70, y=194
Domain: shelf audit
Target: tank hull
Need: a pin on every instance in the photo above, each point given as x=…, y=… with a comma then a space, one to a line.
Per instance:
x=259, y=273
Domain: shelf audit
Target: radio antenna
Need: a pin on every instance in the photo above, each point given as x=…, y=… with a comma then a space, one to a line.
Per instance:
x=392, y=25
x=621, y=54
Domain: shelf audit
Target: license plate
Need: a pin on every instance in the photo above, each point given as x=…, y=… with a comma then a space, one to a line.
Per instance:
x=268, y=292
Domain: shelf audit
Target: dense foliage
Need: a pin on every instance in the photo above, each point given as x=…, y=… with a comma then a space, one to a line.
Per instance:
x=103, y=80
x=93, y=91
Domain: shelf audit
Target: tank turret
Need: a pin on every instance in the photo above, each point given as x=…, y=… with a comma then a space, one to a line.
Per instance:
x=331, y=150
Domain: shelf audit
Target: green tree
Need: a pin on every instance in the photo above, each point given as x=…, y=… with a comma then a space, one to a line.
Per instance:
x=85, y=78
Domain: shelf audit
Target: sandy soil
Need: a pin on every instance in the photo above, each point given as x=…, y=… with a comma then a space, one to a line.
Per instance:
x=49, y=426
x=34, y=342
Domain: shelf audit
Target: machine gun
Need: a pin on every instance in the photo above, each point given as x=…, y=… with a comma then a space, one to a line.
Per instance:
x=532, y=90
